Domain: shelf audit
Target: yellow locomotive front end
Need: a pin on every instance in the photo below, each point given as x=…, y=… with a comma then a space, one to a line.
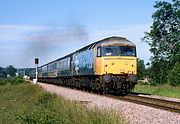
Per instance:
x=116, y=65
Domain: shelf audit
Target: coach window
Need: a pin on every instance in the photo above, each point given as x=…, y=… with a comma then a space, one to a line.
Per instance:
x=98, y=51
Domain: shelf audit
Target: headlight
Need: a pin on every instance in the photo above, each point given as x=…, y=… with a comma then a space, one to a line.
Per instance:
x=133, y=78
x=107, y=78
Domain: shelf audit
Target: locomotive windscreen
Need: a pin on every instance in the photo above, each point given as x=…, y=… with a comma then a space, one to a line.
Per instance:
x=118, y=51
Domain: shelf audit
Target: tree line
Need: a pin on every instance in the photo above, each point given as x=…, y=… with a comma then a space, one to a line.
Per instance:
x=8, y=71
x=11, y=71
x=164, y=42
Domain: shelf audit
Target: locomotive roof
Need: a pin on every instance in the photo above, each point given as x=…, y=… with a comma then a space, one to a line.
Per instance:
x=115, y=41
x=108, y=41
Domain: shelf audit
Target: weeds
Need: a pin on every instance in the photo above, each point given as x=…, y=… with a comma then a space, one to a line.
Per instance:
x=29, y=104
x=12, y=81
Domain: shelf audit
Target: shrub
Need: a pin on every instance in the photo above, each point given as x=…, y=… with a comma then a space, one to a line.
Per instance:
x=17, y=80
x=174, y=75
x=2, y=81
x=12, y=81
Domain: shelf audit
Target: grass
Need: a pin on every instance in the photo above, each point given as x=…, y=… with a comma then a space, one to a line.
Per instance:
x=12, y=81
x=162, y=90
x=29, y=104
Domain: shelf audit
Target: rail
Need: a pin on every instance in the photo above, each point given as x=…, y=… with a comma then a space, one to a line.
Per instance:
x=152, y=102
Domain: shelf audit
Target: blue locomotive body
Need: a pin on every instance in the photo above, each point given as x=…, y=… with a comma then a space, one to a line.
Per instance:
x=83, y=63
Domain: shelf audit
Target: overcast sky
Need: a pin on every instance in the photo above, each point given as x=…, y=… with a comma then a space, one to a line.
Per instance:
x=50, y=29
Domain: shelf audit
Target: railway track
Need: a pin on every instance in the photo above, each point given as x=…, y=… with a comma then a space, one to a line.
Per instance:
x=151, y=102
x=147, y=101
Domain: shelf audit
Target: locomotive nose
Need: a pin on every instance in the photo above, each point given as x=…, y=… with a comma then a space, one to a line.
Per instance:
x=119, y=65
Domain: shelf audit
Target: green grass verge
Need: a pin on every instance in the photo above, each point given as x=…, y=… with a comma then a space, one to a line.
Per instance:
x=162, y=90
x=12, y=81
x=28, y=103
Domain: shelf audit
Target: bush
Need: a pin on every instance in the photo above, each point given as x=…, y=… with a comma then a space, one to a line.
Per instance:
x=174, y=75
x=2, y=81
x=12, y=81
x=17, y=80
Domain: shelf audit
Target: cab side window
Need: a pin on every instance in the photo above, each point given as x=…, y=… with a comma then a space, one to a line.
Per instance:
x=98, y=51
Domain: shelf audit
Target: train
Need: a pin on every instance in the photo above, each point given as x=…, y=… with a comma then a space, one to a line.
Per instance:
x=105, y=66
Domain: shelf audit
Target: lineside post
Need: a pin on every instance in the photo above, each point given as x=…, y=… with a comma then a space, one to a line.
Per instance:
x=36, y=63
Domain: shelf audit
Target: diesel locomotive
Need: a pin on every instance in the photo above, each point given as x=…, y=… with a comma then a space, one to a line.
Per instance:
x=108, y=65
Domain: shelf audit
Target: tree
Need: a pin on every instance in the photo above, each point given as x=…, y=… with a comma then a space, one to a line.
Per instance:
x=11, y=70
x=174, y=75
x=164, y=39
x=141, y=69
x=3, y=72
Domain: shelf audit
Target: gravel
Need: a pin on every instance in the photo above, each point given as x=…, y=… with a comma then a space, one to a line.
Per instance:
x=133, y=113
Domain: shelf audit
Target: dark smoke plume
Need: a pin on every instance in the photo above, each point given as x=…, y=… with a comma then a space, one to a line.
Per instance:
x=45, y=42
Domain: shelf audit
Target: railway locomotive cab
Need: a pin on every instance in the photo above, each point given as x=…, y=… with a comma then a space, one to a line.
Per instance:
x=116, y=64
x=108, y=65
